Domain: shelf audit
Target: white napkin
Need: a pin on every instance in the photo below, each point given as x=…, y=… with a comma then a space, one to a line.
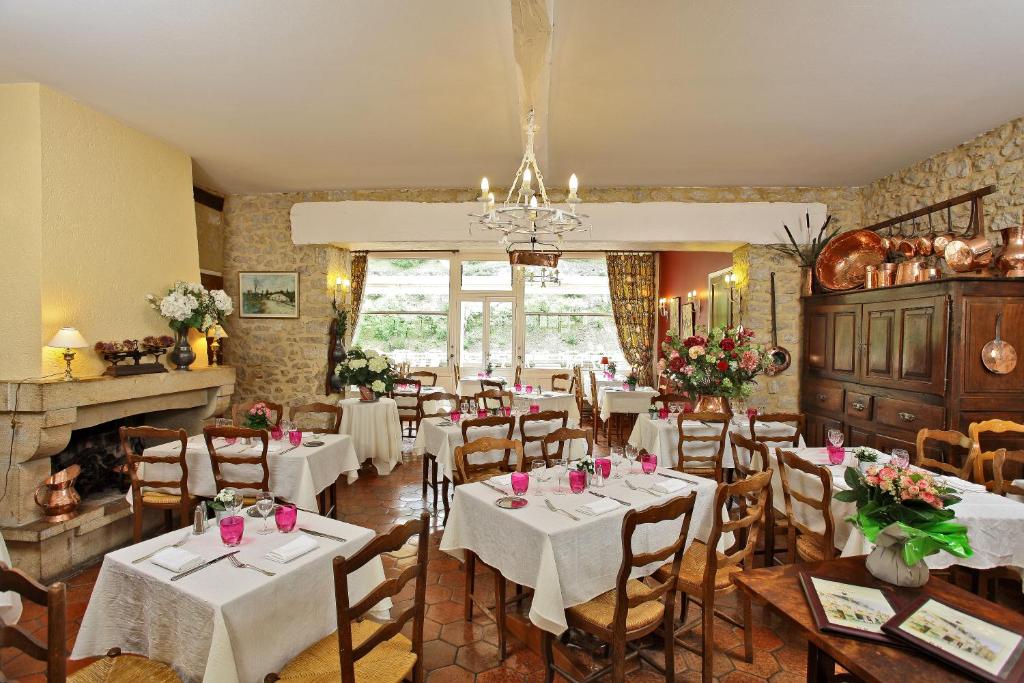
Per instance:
x=292, y=549
x=598, y=507
x=176, y=560
x=502, y=480
x=669, y=486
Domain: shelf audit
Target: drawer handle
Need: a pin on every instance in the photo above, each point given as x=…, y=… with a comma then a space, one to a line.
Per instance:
x=907, y=417
x=822, y=397
x=858, y=405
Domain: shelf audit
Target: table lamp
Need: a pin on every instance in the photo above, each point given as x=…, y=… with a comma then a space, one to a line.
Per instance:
x=68, y=338
x=219, y=333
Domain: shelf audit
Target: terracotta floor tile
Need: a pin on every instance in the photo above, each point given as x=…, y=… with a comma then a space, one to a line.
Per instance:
x=437, y=654
x=450, y=674
x=478, y=656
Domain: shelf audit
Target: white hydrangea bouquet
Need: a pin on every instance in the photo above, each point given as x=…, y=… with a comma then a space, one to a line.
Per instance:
x=189, y=304
x=368, y=370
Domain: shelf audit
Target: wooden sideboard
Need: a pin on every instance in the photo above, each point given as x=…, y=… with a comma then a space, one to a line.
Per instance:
x=881, y=364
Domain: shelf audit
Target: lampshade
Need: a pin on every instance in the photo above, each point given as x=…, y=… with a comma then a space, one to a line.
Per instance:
x=218, y=332
x=68, y=338
x=604, y=360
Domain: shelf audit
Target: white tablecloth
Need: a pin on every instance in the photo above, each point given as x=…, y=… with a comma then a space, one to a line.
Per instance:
x=549, y=400
x=10, y=602
x=469, y=386
x=223, y=623
x=296, y=474
x=564, y=561
x=441, y=440
x=375, y=430
x=612, y=400
x=662, y=438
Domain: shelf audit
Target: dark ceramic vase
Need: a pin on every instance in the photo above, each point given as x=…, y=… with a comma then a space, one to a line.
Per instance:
x=182, y=354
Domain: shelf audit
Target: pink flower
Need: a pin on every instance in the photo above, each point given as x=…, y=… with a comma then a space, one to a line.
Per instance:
x=887, y=473
x=687, y=370
x=748, y=363
x=872, y=479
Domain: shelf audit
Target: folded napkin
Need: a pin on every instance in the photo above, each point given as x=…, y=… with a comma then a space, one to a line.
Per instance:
x=292, y=549
x=502, y=480
x=669, y=486
x=176, y=560
x=598, y=507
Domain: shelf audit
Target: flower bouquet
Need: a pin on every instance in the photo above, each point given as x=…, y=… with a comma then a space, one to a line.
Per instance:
x=721, y=364
x=371, y=371
x=258, y=416
x=632, y=379
x=906, y=513
x=190, y=305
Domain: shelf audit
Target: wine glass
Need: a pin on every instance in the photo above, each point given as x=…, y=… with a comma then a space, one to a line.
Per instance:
x=900, y=458
x=539, y=471
x=265, y=508
x=237, y=500
x=835, y=438
x=563, y=469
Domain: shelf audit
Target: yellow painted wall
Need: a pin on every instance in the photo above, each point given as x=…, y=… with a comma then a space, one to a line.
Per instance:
x=20, y=189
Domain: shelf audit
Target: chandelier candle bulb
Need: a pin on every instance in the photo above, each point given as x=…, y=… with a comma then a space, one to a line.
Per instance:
x=484, y=189
x=574, y=185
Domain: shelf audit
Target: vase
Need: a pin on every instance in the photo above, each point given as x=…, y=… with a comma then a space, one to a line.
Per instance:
x=886, y=561
x=181, y=353
x=712, y=404
x=338, y=355
x=1011, y=261
x=806, y=280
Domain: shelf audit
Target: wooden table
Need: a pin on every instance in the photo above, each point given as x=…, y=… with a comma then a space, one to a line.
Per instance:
x=780, y=588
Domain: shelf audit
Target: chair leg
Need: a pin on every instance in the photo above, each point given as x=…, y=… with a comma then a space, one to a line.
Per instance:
x=769, y=538
x=426, y=464
x=444, y=500
x=433, y=480
x=748, y=630
x=549, y=659
x=470, y=568
x=668, y=635
x=169, y=519
x=684, y=607
x=137, y=528
x=619, y=660
x=499, y=612
x=707, y=654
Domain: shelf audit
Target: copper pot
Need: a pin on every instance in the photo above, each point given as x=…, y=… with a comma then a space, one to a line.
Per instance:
x=888, y=274
x=923, y=245
x=966, y=255
x=60, y=500
x=872, y=277
x=1011, y=261
x=907, y=247
x=927, y=274
x=713, y=404
x=941, y=241
x=907, y=271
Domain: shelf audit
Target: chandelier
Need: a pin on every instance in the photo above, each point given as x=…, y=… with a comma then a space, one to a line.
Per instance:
x=531, y=228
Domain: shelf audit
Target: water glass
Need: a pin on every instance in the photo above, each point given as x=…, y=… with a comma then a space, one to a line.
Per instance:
x=520, y=483
x=539, y=471
x=625, y=386
x=507, y=410
x=561, y=471
x=900, y=458
x=231, y=530
x=577, y=481
x=265, y=506
x=649, y=463
x=529, y=388
x=518, y=388
x=835, y=437
x=534, y=408
x=276, y=433
x=455, y=415
x=604, y=465
x=481, y=412
x=295, y=437
x=285, y=516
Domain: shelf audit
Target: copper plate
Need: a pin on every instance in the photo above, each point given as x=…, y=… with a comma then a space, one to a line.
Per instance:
x=523, y=257
x=844, y=260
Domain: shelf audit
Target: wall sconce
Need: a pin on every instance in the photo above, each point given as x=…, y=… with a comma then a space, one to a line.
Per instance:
x=663, y=307
x=694, y=303
x=68, y=338
x=735, y=297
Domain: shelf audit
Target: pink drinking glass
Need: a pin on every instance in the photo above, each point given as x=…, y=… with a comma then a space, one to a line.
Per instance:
x=663, y=412
x=577, y=481
x=751, y=413
x=285, y=516
x=604, y=465
x=625, y=386
x=518, y=388
x=649, y=463
x=529, y=388
x=836, y=454
x=455, y=415
x=481, y=412
x=687, y=408
x=520, y=483
x=507, y=410
x=295, y=437
x=534, y=408
x=276, y=433
x=231, y=529
x=231, y=440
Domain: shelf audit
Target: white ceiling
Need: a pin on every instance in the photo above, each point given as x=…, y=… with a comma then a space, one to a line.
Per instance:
x=320, y=94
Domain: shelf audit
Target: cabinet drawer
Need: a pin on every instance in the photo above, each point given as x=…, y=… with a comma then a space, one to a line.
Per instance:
x=824, y=397
x=886, y=443
x=910, y=415
x=858, y=405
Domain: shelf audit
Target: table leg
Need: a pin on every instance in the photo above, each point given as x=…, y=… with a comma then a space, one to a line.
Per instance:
x=820, y=667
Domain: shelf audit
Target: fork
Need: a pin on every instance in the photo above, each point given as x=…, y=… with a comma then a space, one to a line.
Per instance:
x=178, y=544
x=551, y=506
x=242, y=565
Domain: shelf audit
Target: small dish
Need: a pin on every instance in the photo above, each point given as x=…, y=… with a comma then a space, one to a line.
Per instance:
x=511, y=502
x=312, y=444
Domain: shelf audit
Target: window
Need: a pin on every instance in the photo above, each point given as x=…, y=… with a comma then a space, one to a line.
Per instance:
x=493, y=276
x=405, y=310
x=571, y=322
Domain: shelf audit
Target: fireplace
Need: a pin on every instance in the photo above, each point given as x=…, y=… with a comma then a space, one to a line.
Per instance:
x=97, y=450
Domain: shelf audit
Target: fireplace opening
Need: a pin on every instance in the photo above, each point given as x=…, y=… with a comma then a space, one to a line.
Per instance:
x=97, y=450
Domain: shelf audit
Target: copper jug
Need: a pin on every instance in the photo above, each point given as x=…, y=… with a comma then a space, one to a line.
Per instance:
x=966, y=255
x=60, y=499
x=907, y=271
x=1011, y=261
x=872, y=277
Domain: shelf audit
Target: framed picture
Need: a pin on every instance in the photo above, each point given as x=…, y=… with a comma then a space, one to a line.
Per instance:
x=978, y=647
x=268, y=294
x=719, y=301
x=848, y=609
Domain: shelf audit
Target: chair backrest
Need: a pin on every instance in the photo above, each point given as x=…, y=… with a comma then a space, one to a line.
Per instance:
x=486, y=384
x=331, y=412
x=348, y=614
x=689, y=461
x=543, y=416
x=797, y=420
x=759, y=460
x=791, y=464
x=438, y=398
x=667, y=399
x=562, y=437
x=137, y=458
x=465, y=468
x=408, y=380
x=978, y=457
x=953, y=439
x=425, y=378
x=673, y=509
x=557, y=380
x=242, y=409
x=53, y=650
x=593, y=392
x=492, y=398
x=509, y=423
x=218, y=460
x=1004, y=482
x=745, y=524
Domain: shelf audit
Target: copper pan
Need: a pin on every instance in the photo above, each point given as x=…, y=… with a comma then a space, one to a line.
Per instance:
x=966, y=255
x=940, y=242
x=926, y=274
x=923, y=245
x=842, y=263
x=907, y=247
x=907, y=271
x=999, y=356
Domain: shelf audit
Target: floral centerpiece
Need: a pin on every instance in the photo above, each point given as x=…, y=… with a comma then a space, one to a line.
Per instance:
x=222, y=502
x=717, y=366
x=189, y=305
x=258, y=416
x=632, y=379
x=906, y=513
x=371, y=371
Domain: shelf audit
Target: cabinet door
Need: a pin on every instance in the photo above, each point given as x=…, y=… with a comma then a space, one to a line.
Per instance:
x=832, y=336
x=817, y=340
x=905, y=344
x=857, y=436
x=817, y=428
x=880, y=341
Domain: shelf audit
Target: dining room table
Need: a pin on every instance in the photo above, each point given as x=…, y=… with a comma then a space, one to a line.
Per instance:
x=547, y=400
x=614, y=400
x=375, y=429
x=10, y=601
x=297, y=473
x=225, y=623
x=470, y=386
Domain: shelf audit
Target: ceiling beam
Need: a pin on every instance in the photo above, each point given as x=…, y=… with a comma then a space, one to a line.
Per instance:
x=532, y=26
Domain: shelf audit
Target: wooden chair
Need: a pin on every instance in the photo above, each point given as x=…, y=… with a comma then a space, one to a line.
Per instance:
x=1004, y=485
x=467, y=472
x=476, y=423
x=953, y=439
x=430, y=459
x=804, y=543
x=362, y=649
x=559, y=377
x=328, y=410
x=148, y=498
x=775, y=521
x=582, y=404
x=798, y=420
x=408, y=413
x=489, y=399
x=705, y=574
x=218, y=460
x=424, y=377
x=524, y=464
x=562, y=437
x=708, y=466
x=113, y=668
x=634, y=608
x=241, y=409
x=595, y=408
x=486, y=384
x=667, y=399
x=978, y=457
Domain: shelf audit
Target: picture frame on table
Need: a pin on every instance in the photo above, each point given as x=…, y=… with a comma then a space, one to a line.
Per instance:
x=849, y=609
x=268, y=294
x=978, y=647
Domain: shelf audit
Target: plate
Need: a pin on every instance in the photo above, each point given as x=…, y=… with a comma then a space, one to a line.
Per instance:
x=511, y=502
x=312, y=444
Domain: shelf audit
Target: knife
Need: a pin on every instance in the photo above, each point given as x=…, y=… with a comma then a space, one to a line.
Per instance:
x=601, y=495
x=203, y=566
x=323, y=535
x=495, y=488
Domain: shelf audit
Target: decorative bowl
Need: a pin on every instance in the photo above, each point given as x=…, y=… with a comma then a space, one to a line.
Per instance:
x=843, y=262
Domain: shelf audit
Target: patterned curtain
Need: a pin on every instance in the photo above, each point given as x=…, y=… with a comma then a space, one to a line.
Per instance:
x=635, y=305
x=358, y=278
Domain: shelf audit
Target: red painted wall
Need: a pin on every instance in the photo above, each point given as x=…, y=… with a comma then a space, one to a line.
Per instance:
x=682, y=271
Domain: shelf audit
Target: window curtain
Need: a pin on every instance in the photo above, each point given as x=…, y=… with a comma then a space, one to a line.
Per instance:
x=358, y=278
x=634, y=305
